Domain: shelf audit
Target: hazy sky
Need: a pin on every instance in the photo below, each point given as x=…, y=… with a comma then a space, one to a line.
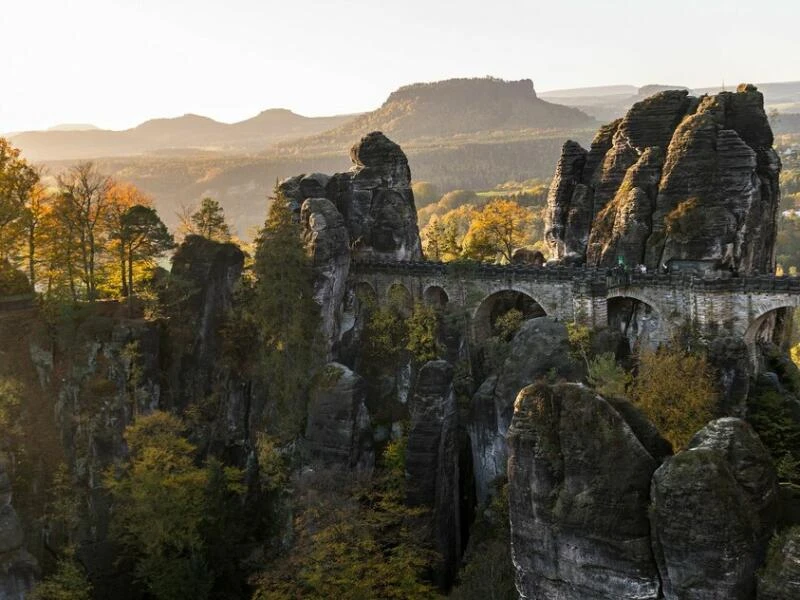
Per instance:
x=115, y=63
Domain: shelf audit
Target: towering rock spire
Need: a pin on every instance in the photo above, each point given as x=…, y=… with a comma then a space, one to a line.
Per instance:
x=678, y=178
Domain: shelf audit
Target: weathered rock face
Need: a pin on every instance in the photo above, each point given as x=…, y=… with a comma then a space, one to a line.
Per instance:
x=540, y=347
x=209, y=271
x=374, y=197
x=579, y=483
x=432, y=468
x=338, y=429
x=327, y=240
x=714, y=508
x=18, y=569
x=780, y=578
x=678, y=178
x=526, y=256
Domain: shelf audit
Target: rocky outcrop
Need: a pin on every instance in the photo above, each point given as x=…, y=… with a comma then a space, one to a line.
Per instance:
x=204, y=273
x=713, y=511
x=677, y=179
x=326, y=239
x=18, y=569
x=540, y=348
x=432, y=467
x=579, y=482
x=780, y=578
x=338, y=429
x=374, y=197
x=526, y=256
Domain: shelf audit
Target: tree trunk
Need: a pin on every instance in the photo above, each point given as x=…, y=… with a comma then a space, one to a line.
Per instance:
x=31, y=254
x=123, y=272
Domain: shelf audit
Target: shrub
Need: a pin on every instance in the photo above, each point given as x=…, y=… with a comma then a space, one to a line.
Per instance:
x=12, y=281
x=608, y=377
x=676, y=391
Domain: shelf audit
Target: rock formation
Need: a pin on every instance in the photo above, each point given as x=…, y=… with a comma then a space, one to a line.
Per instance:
x=338, y=429
x=326, y=238
x=374, y=197
x=540, y=347
x=678, y=178
x=208, y=271
x=432, y=468
x=713, y=511
x=18, y=569
x=579, y=482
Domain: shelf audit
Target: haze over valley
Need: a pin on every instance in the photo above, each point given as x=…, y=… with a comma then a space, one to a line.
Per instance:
x=458, y=134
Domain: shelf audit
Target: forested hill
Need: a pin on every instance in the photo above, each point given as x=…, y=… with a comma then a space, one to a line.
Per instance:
x=187, y=133
x=455, y=109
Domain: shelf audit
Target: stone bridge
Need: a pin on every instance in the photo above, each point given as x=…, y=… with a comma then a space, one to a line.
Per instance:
x=648, y=306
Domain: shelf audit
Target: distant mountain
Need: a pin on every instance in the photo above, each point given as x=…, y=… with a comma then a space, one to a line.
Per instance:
x=456, y=109
x=187, y=134
x=610, y=102
x=72, y=127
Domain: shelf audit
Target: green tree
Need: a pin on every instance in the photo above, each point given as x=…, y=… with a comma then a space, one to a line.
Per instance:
x=142, y=236
x=353, y=541
x=423, y=334
x=209, y=221
x=285, y=313
x=162, y=506
x=69, y=582
x=607, y=376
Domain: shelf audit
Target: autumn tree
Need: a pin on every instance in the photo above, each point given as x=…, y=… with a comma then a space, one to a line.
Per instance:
x=443, y=237
x=676, y=391
x=498, y=229
x=122, y=197
x=209, y=221
x=38, y=205
x=17, y=180
x=86, y=200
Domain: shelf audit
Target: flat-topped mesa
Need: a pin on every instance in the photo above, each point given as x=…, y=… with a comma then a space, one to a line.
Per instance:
x=374, y=197
x=677, y=179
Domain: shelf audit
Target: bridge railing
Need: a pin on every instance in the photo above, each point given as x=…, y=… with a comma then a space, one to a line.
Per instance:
x=613, y=278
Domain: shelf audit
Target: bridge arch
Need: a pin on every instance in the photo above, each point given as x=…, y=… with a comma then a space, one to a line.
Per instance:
x=771, y=325
x=435, y=296
x=637, y=318
x=498, y=303
x=365, y=293
x=399, y=297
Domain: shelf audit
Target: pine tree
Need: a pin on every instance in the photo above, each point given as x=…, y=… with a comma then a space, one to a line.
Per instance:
x=286, y=312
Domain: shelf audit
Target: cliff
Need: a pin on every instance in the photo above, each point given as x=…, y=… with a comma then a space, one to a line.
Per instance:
x=677, y=179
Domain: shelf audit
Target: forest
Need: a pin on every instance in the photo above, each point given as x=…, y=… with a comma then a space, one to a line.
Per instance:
x=191, y=510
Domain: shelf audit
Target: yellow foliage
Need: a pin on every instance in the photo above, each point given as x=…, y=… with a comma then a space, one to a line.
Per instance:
x=676, y=391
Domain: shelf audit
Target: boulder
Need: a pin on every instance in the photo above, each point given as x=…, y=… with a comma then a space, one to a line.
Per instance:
x=579, y=483
x=713, y=510
x=432, y=466
x=338, y=428
x=540, y=348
